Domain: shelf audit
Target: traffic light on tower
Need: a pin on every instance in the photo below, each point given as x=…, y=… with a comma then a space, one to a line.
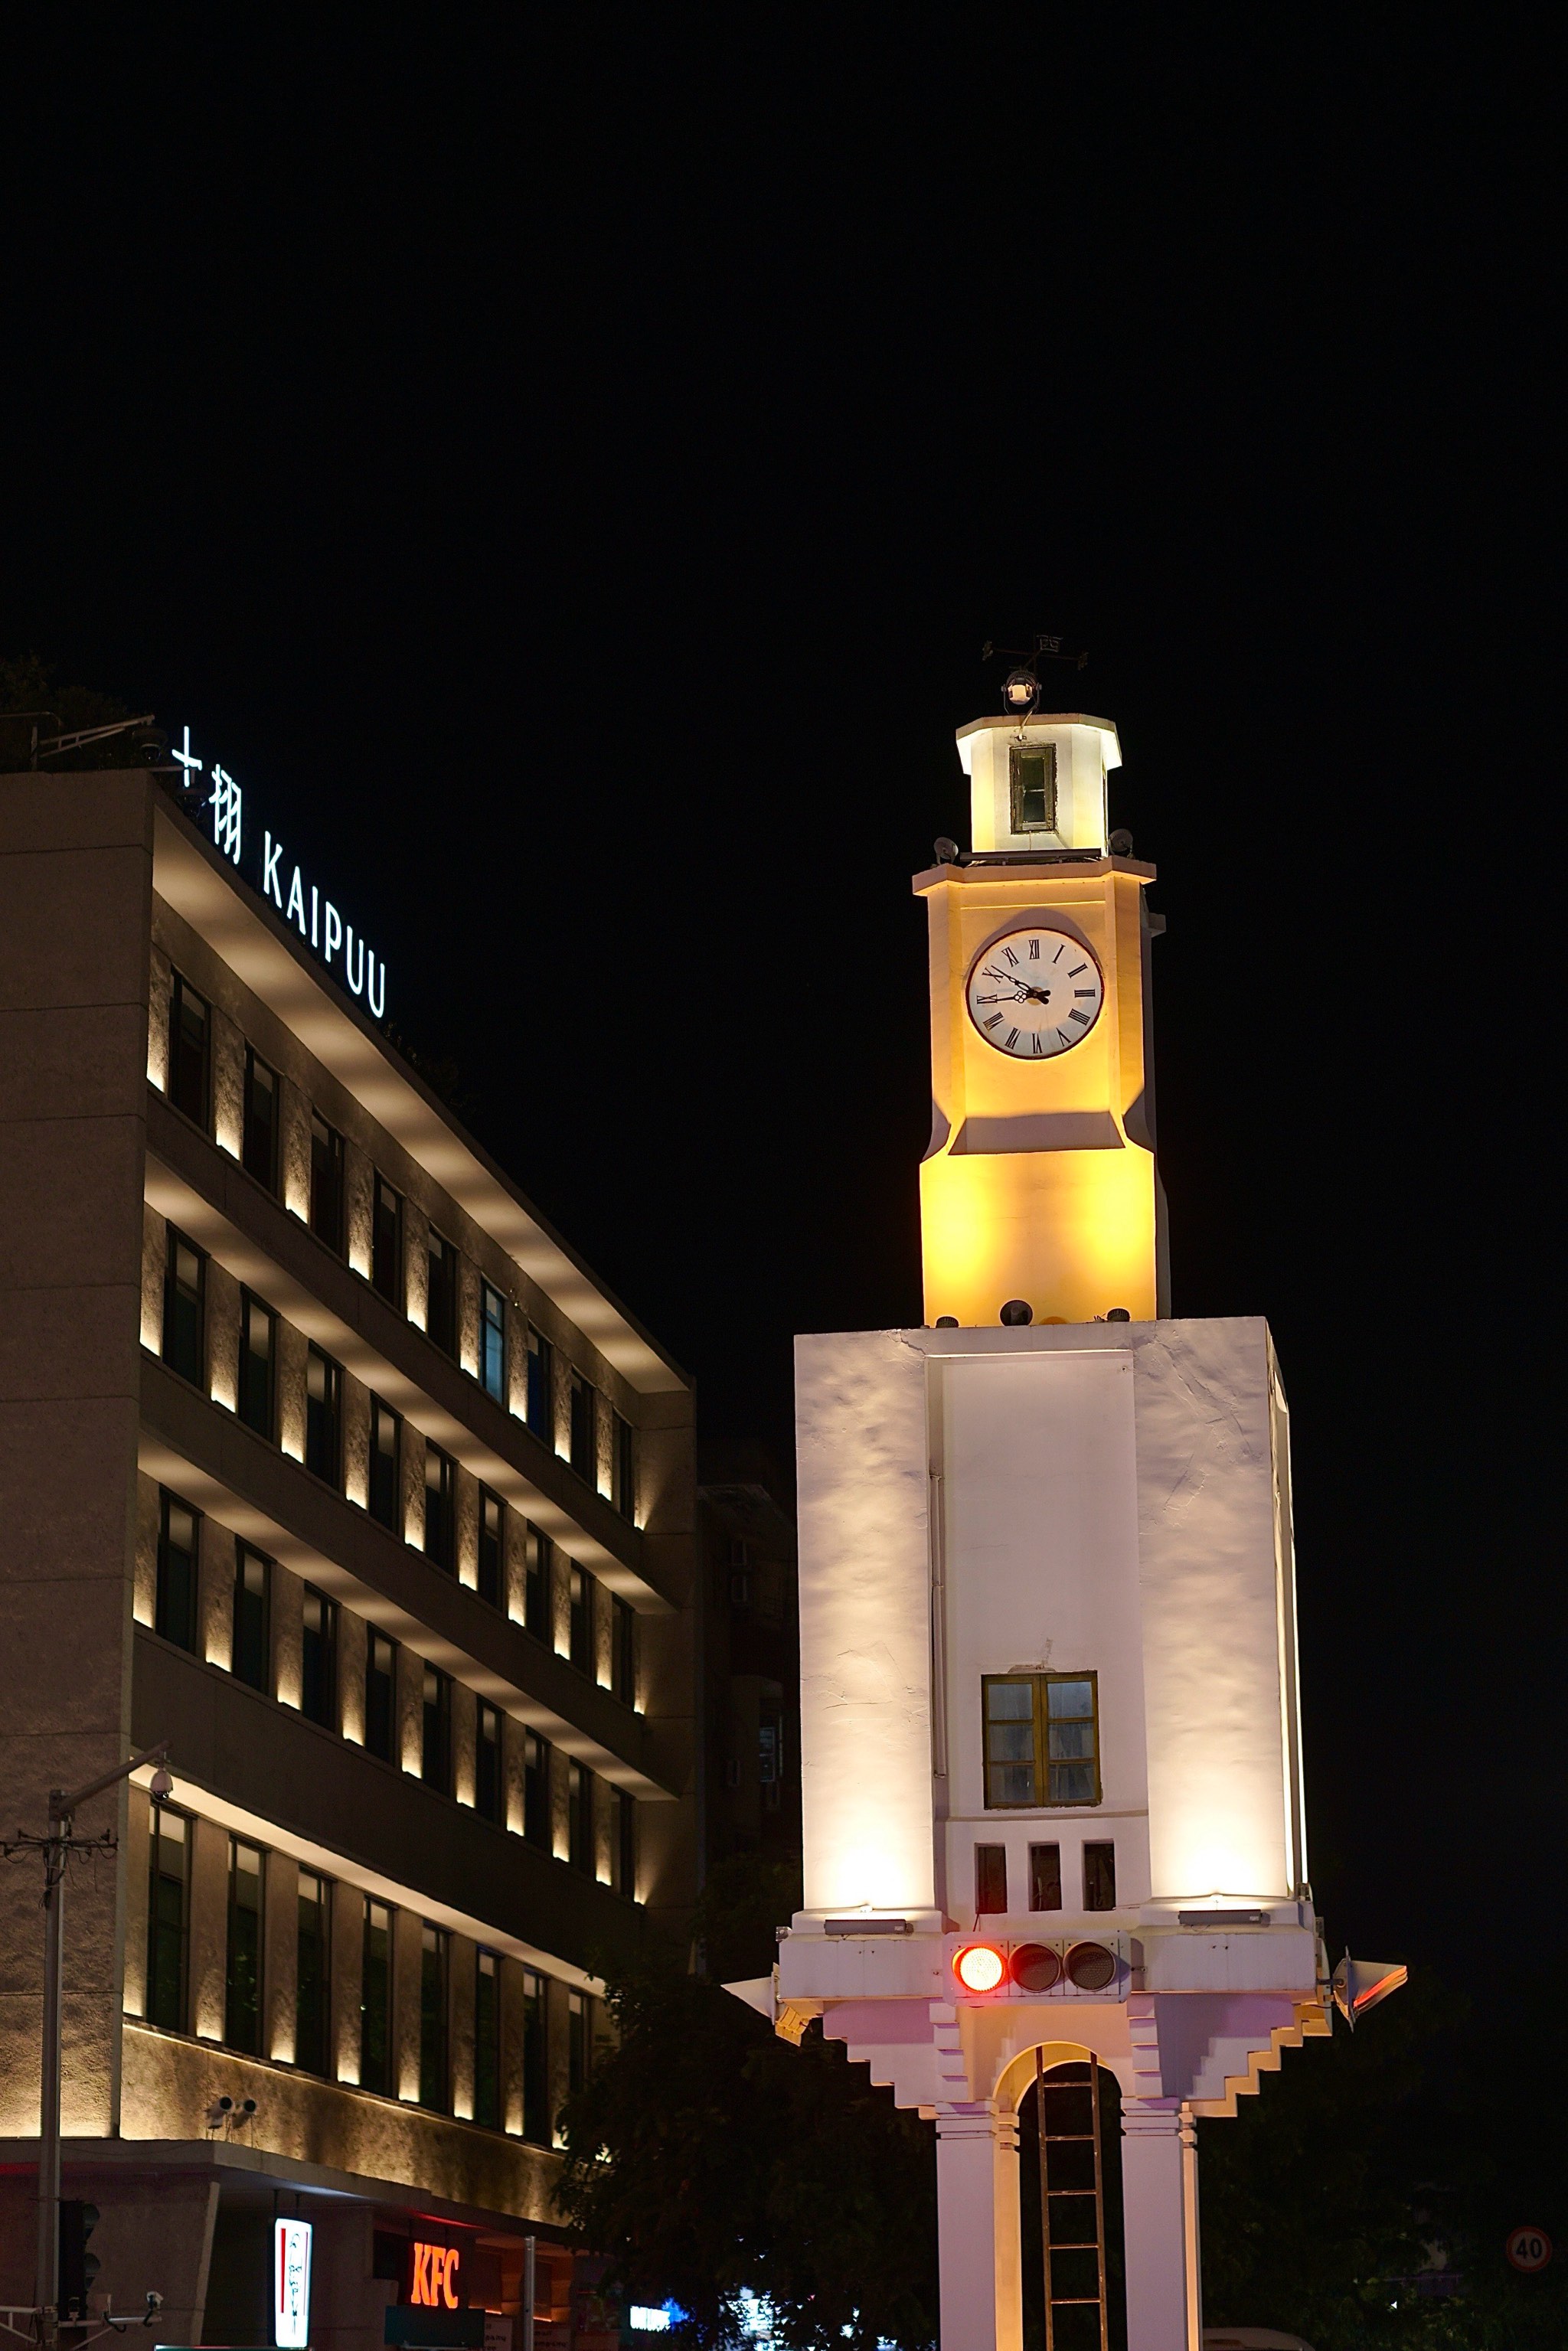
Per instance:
x=78, y=2268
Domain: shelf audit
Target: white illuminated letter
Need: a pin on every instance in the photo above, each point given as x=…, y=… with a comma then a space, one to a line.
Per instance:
x=315, y=915
x=334, y=930
x=356, y=980
x=270, y=887
x=296, y=902
x=376, y=1000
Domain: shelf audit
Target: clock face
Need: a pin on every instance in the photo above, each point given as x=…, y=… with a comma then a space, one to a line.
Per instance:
x=1035, y=993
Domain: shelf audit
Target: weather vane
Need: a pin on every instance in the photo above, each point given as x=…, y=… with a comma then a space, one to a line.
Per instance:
x=1020, y=687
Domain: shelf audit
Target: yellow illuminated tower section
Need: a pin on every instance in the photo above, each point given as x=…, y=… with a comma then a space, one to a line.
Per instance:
x=1040, y=1184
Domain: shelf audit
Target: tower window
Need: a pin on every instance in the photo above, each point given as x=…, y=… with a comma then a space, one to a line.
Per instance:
x=990, y=1880
x=1031, y=777
x=1043, y=1739
x=323, y=1417
x=1099, y=1877
x=1045, y=1877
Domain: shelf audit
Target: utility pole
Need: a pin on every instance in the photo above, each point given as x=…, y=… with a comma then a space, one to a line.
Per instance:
x=56, y=1846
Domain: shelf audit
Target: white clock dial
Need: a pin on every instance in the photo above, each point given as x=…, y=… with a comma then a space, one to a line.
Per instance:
x=1035, y=993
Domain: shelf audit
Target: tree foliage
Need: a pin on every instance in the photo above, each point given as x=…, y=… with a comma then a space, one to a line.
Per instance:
x=706, y=2156
x=1373, y=2169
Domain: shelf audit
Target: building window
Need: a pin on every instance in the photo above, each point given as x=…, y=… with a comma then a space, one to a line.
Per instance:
x=440, y=1508
x=536, y=1789
x=326, y=1182
x=312, y=2007
x=386, y=1464
x=1099, y=1877
x=441, y=1293
x=580, y=1392
x=1045, y=1877
x=324, y=1416
x=1042, y=1743
x=168, y=1908
x=381, y=1693
x=375, y=2000
x=623, y=1650
x=487, y=2041
x=623, y=1841
x=580, y=1584
x=623, y=1469
x=536, y=1582
x=178, y=1540
x=250, y=1645
x=990, y=1880
x=258, y=1134
x=540, y=1409
x=184, y=1287
x=435, y=1730
x=576, y=2041
x=536, y=2072
x=432, y=2071
x=319, y=1659
x=1031, y=779
x=579, y=1816
x=770, y=1747
x=492, y=1342
x=241, y=1991
x=492, y=1546
x=488, y=1761
x=257, y=1355
x=189, y=1029
x=386, y=1242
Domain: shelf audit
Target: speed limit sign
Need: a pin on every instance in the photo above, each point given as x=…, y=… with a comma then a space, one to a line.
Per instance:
x=1529, y=2249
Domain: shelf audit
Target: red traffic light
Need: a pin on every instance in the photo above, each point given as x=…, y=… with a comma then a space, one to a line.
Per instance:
x=979, y=1967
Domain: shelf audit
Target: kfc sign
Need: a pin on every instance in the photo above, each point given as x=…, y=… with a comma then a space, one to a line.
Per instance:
x=436, y=2280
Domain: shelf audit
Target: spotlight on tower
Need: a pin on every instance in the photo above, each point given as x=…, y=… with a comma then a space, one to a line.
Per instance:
x=1020, y=692
x=1016, y=1311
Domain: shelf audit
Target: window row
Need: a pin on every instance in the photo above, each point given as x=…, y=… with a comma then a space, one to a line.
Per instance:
x=380, y=1443
x=386, y=1257
x=991, y=1890
x=357, y=1991
x=403, y=1706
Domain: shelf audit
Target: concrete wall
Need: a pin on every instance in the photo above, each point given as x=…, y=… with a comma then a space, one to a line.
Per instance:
x=1111, y=1499
x=75, y=893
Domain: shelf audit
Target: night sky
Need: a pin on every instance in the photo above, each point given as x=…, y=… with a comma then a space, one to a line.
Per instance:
x=566, y=463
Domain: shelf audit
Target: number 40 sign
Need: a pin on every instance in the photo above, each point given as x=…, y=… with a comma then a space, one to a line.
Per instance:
x=1529, y=2249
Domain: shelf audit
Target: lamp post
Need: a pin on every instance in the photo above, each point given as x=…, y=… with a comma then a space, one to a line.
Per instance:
x=58, y=1844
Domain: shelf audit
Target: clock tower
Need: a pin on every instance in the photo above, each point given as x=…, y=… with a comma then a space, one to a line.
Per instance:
x=1040, y=1184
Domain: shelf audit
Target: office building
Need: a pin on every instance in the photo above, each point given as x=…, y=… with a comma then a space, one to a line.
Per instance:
x=324, y=1458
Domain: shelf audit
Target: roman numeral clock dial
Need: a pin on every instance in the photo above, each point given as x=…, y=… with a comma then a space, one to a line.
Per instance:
x=1034, y=994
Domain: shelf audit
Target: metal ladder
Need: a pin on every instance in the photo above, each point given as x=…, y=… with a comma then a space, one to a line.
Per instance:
x=1071, y=2233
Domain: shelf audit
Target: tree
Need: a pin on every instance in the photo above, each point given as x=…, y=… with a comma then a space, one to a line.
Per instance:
x=706, y=2158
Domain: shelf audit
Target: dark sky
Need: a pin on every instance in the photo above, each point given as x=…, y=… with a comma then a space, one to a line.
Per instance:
x=566, y=463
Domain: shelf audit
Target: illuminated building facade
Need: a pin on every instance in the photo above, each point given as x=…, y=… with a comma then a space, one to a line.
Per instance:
x=324, y=1458
x=1052, y=1782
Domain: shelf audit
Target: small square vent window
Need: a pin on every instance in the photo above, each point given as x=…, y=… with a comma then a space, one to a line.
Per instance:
x=1032, y=782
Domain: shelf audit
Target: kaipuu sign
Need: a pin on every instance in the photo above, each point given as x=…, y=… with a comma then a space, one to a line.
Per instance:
x=346, y=954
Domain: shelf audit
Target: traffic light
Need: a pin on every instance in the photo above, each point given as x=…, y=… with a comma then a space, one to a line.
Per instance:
x=78, y=2268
